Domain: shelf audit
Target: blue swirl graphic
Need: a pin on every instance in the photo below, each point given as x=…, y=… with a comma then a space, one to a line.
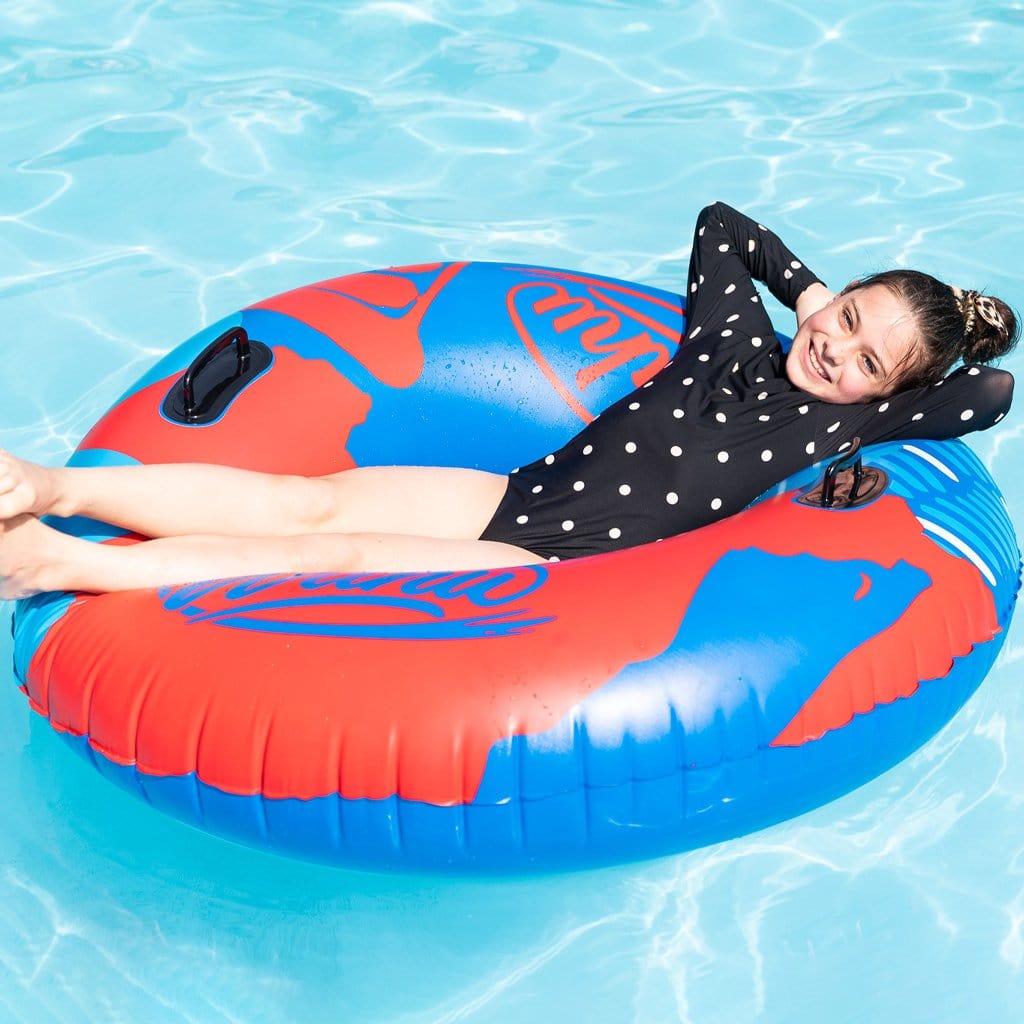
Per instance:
x=423, y=594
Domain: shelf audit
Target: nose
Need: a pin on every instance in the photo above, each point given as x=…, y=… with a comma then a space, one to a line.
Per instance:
x=835, y=350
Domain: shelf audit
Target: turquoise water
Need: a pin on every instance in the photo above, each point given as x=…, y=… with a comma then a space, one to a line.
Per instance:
x=167, y=161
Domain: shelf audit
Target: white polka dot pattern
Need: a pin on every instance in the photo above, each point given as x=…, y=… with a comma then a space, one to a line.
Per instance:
x=734, y=450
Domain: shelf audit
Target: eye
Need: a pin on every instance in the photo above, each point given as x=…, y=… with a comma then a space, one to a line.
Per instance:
x=848, y=319
x=869, y=365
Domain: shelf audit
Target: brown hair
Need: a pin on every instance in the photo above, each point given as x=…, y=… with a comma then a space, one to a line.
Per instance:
x=952, y=324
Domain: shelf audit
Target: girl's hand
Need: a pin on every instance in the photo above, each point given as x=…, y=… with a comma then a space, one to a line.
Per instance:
x=814, y=297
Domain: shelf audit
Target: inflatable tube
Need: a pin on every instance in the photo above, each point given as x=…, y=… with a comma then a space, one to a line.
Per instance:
x=591, y=711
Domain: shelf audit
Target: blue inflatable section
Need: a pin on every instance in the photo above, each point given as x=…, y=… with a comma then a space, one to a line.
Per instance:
x=584, y=826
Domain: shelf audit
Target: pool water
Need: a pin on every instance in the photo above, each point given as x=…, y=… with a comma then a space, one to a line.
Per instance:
x=168, y=161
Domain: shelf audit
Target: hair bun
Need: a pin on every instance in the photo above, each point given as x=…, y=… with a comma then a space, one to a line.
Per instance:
x=990, y=327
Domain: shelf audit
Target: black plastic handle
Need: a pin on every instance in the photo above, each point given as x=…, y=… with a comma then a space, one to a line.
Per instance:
x=236, y=335
x=828, y=484
x=846, y=483
x=215, y=378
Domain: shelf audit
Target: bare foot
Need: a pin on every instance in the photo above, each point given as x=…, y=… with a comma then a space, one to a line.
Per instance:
x=25, y=487
x=32, y=556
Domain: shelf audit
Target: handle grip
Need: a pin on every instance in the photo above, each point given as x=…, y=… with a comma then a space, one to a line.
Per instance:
x=236, y=335
x=213, y=379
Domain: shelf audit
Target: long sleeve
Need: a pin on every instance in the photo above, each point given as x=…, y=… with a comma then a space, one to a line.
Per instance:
x=971, y=398
x=729, y=247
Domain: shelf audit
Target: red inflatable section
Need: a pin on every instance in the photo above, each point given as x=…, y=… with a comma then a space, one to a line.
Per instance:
x=350, y=311
x=277, y=423
x=269, y=429
x=424, y=728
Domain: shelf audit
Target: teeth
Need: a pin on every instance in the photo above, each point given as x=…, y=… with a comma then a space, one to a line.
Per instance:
x=814, y=362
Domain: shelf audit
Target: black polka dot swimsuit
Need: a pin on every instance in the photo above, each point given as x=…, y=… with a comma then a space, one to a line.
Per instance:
x=720, y=423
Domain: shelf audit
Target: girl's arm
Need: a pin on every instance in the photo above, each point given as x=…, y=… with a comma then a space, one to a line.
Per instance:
x=972, y=398
x=814, y=297
x=728, y=250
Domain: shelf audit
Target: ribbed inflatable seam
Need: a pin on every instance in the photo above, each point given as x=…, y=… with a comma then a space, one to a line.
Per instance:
x=678, y=735
x=136, y=721
x=336, y=826
x=91, y=756
x=394, y=770
x=581, y=749
x=198, y=789
x=951, y=702
x=875, y=733
x=763, y=747
x=580, y=746
x=264, y=820
x=761, y=740
x=395, y=820
x=90, y=680
x=721, y=737
x=197, y=797
x=44, y=677
x=461, y=828
x=460, y=822
x=519, y=814
x=588, y=812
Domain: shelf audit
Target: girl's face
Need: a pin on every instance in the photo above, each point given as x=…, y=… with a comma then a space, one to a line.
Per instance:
x=855, y=348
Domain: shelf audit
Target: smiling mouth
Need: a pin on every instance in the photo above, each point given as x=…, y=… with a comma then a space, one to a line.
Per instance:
x=812, y=358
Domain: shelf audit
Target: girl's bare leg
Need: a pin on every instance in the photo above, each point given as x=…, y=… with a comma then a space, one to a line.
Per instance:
x=174, y=500
x=35, y=557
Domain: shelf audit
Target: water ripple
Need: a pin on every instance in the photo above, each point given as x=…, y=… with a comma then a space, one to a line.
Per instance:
x=168, y=161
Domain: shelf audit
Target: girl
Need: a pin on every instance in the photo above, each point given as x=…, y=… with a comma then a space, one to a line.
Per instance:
x=730, y=415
